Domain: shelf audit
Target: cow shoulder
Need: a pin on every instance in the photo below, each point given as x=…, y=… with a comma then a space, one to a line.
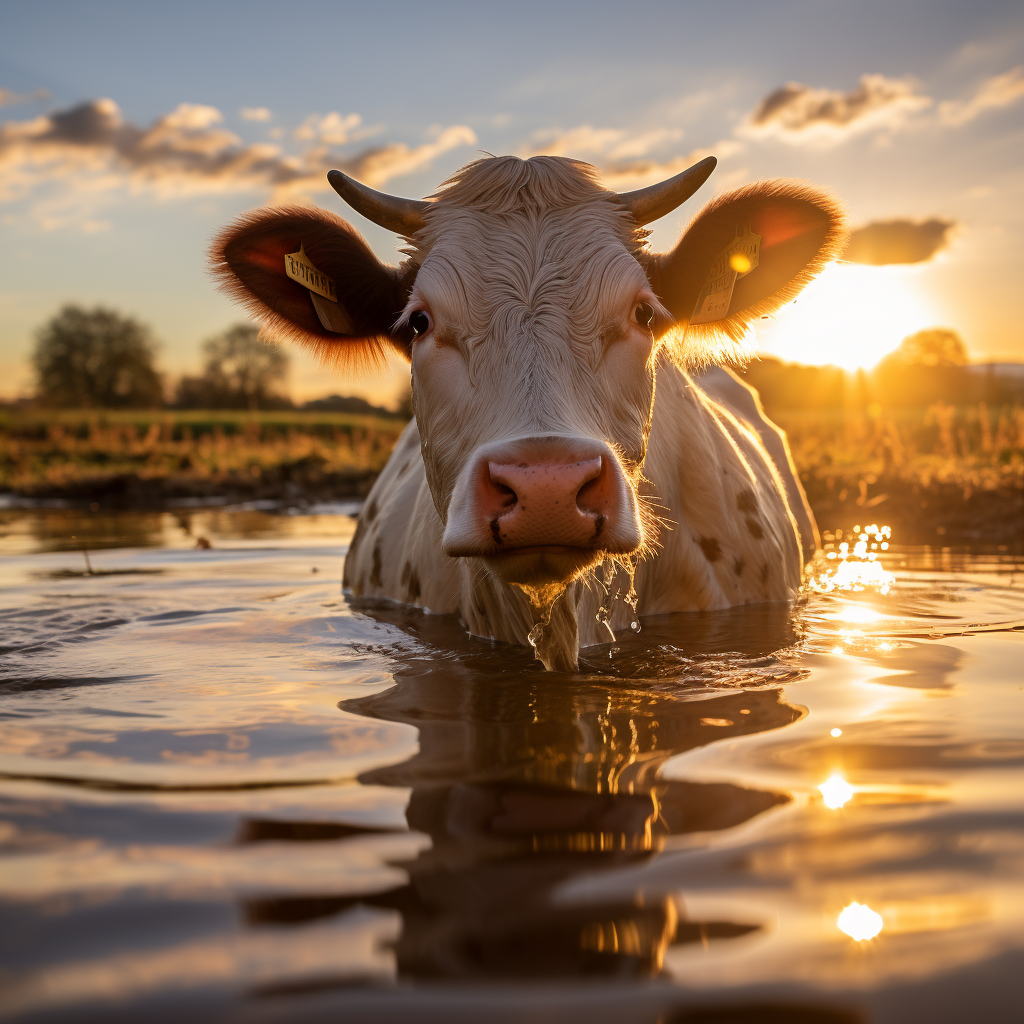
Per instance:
x=743, y=402
x=396, y=551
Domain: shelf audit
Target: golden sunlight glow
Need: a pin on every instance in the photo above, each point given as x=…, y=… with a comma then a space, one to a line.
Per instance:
x=836, y=733
x=857, y=570
x=850, y=316
x=739, y=262
x=855, y=613
x=835, y=791
x=860, y=922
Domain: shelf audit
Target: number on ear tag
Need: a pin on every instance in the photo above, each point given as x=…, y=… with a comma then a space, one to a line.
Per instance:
x=322, y=292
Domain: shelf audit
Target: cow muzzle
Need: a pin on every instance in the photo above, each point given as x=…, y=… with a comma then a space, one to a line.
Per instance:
x=542, y=509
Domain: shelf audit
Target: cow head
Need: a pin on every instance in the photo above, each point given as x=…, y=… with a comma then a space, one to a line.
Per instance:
x=532, y=313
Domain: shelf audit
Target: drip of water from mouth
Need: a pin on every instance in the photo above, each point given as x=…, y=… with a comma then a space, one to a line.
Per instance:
x=631, y=597
x=542, y=601
x=604, y=611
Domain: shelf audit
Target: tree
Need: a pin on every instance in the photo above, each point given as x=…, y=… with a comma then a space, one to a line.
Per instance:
x=928, y=367
x=241, y=372
x=937, y=346
x=96, y=358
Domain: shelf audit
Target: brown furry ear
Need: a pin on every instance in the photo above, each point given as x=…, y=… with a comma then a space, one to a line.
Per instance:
x=801, y=229
x=248, y=259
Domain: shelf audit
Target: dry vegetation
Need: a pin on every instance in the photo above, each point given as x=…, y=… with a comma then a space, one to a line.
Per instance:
x=139, y=458
x=939, y=474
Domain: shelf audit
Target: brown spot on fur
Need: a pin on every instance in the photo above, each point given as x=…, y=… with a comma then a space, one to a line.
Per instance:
x=711, y=548
x=755, y=528
x=371, y=510
x=414, y=586
x=738, y=566
x=765, y=571
x=746, y=501
x=375, y=573
x=406, y=570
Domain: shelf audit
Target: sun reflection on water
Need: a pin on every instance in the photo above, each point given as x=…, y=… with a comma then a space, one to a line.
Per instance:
x=859, y=921
x=835, y=791
x=857, y=568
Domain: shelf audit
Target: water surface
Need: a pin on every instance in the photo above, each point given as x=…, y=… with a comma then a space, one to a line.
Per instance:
x=227, y=792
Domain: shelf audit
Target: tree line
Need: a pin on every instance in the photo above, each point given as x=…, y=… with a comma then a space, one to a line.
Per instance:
x=99, y=358
x=929, y=366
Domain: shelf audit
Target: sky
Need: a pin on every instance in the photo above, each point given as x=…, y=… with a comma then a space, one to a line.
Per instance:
x=130, y=133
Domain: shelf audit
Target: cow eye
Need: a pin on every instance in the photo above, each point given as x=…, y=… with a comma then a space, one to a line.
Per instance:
x=419, y=321
x=644, y=314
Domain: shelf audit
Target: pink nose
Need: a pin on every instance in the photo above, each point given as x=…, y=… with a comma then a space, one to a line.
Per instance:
x=541, y=492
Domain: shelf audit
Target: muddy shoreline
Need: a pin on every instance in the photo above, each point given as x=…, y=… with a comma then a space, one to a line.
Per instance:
x=937, y=514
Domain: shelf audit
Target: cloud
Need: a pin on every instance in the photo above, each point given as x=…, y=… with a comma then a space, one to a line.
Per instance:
x=332, y=129
x=898, y=241
x=994, y=93
x=188, y=152
x=575, y=142
x=799, y=113
x=621, y=157
x=9, y=98
x=255, y=114
x=623, y=176
x=614, y=143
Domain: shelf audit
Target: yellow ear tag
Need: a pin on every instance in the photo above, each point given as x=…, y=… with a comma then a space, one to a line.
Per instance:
x=299, y=267
x=736, y=260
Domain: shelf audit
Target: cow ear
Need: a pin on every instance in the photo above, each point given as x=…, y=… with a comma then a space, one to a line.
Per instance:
x=345, y=303
x=746, y=254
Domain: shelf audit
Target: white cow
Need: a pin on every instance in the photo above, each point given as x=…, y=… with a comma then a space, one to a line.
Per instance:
x=562, y=474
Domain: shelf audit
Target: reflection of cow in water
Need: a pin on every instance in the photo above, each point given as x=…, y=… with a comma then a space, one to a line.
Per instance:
x=524, y=783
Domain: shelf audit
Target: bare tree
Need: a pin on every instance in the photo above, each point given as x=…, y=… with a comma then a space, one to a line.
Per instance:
x=96, y=358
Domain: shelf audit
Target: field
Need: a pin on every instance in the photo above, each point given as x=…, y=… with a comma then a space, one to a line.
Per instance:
x=137, y=458
x=937, y=474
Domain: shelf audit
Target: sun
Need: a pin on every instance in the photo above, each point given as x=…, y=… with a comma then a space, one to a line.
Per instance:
x=850, y=316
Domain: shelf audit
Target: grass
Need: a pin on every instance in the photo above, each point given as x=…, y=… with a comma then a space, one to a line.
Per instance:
x=936, y=474
x=940, y=473
x=139, y=456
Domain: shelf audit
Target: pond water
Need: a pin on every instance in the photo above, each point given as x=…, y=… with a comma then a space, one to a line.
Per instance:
x=229, y=794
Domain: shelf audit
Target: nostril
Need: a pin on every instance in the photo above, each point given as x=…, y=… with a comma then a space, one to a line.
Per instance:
x=591, y=496
x=508, y=496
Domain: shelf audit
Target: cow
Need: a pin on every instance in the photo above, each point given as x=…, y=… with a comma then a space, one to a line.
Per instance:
x=565, y=472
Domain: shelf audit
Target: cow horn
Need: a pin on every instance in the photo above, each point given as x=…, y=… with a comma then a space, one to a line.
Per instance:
x=403, y=216
x=648, y=204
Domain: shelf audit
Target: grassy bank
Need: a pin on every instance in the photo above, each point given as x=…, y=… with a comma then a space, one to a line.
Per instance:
x=138, y=458
x=940, y=474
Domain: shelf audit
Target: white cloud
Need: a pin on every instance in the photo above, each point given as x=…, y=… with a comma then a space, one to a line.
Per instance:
x=255, y=114
x=994, y=93
x=330, y=130
x=799, y=113
x=641, y=145
x=575, y=142
x=10, y=98
x=625, y=176
x=91, y=148
x=622, y=157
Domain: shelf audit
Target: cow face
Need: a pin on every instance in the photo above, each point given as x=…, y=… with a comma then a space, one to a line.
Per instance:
x=533, y=377
x=532, y=315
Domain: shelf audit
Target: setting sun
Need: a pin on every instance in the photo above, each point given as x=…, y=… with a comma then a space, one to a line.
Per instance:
x=851, y=316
